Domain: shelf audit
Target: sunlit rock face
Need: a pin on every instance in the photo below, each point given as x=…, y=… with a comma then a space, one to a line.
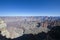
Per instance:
x=5, y=33
x=10, y=32
x=15, y=32
x=3, y=29
x=14, y=27
x=2, y=24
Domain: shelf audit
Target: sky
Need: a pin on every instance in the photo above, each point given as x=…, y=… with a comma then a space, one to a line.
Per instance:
x=29, y=7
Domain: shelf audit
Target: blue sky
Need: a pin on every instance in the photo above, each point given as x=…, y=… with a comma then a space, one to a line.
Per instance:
x=29, y=7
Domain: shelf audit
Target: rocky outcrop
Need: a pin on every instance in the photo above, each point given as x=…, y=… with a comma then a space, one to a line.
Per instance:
x=18, y=26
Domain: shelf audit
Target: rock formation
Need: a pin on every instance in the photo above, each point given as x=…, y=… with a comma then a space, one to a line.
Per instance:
x=13, y=27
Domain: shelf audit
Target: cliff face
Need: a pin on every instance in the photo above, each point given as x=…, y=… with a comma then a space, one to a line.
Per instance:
x=51, y=23
x=17, y=26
